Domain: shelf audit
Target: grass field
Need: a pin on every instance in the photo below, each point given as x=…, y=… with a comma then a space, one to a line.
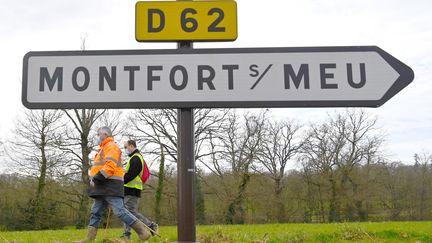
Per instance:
x=348, y=232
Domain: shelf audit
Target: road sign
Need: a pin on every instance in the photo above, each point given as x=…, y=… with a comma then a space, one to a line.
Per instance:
x=186, y=20
x=258, y=77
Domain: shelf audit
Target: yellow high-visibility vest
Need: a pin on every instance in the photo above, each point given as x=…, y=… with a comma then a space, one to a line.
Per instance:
x=136, y=182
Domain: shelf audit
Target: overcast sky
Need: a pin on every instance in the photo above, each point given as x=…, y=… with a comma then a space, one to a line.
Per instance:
x=402, y=28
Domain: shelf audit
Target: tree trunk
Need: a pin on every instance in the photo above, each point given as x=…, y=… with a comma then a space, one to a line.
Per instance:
x=280, y=206
x=38, y=203
x=84, y=201
x=308, y=211
x=423, y=198
x=334, y=205
x=358, y=203
x=199, y=202
x=159, y=189
x=235, y=212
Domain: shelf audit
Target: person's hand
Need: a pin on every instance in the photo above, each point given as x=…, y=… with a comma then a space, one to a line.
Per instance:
x=92, y=184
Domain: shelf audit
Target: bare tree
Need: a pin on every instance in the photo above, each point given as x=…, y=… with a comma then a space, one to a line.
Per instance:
x=336, y=148
x=233, y=149
x=322, y=149
x=281, y=143
x=33, y=150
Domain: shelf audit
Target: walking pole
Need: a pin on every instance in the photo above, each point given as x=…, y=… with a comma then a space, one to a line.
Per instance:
x=108, y=220
x=154, y=232
x=8, y=241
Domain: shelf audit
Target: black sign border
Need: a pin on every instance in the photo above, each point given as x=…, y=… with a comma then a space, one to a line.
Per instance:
x=405, y=78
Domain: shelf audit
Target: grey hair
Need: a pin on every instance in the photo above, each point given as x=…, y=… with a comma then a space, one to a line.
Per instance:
x=106, y=130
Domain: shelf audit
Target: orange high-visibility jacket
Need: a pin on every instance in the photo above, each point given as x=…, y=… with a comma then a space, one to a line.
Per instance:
x=107, y=170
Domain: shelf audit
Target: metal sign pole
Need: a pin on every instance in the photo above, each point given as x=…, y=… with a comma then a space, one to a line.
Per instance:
x=185, y=170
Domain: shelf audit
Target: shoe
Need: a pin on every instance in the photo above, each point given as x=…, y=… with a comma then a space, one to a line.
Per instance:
x=91, y=235
x=154, y=229
x=140, y=228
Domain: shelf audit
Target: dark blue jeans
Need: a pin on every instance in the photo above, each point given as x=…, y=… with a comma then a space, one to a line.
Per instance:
x=118, y=208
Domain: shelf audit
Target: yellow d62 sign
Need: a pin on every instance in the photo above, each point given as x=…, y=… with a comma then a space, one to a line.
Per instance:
x=186, y=20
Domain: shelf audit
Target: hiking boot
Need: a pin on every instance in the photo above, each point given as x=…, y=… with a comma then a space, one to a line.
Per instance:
x=154, y=229
x=91, y=235
x=140, y=228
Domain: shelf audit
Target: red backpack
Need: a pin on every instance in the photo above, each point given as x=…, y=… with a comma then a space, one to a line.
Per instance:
x=146, y=172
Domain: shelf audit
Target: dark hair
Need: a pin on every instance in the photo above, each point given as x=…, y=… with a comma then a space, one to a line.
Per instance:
x=132, y=142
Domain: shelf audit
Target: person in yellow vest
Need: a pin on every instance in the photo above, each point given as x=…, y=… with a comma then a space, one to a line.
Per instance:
x=133, y=186
x=106, y=186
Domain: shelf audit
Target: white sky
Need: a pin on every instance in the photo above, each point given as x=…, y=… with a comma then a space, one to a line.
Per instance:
x=402, y=28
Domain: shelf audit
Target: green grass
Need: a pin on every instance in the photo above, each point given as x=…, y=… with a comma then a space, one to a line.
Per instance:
x=415, y=232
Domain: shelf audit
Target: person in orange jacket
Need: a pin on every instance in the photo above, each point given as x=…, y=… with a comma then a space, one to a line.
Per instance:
x=106, y=187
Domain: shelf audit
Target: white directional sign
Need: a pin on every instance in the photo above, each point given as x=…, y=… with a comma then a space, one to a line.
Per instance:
x=257, y=77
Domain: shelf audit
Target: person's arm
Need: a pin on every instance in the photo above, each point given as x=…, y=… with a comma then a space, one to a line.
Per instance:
x=135, y=168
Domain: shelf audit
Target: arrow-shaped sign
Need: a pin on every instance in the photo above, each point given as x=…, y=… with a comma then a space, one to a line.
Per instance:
x=363, y=76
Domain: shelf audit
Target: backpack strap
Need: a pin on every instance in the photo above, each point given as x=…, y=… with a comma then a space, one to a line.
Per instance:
x=141, y=158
